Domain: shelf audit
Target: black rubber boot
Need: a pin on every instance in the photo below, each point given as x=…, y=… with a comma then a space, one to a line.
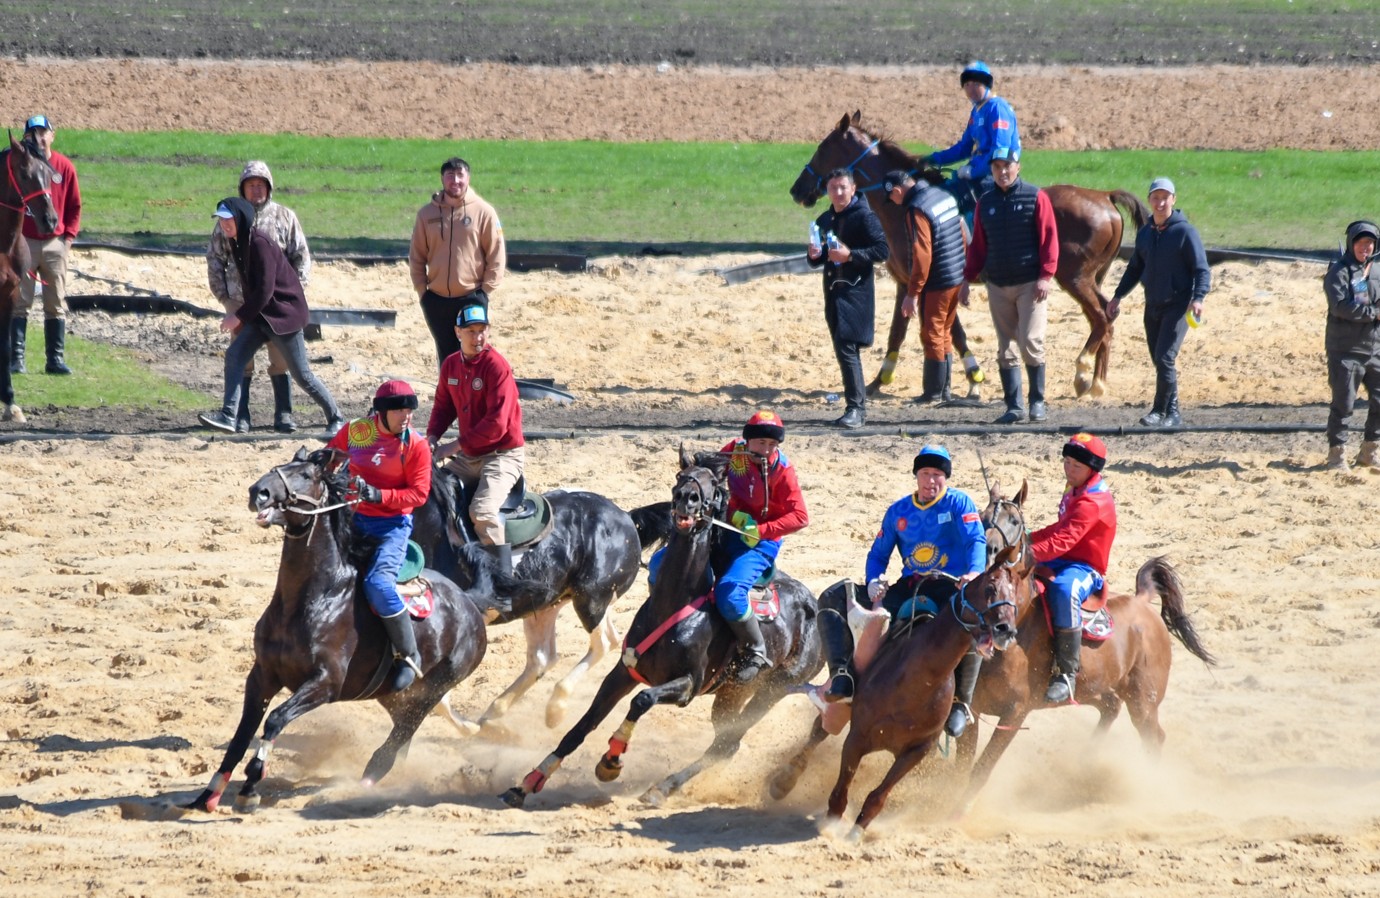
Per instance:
x=945, y=391
x=1067, y=644
x=502, y=555
x=242, y=422
x=837, y=637
x=933, y=382
x=1011, y=395
x=55, y=334
x=1036, y=375
x=1155, y=417
x=965, y=681
x=19, y=332
x=752, y=648
x=407, y=663
x=1172, y=418
x=282, y=403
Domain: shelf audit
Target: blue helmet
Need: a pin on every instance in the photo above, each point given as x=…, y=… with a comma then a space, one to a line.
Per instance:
x=977, y=70
x=932, y=455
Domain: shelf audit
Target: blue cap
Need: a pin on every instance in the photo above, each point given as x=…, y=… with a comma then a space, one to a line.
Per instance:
x=1161, y=184
x=38, y=121
x=932, y=455
x=472, y=314
x=224, y=211
x=1006, y=154
x=977, y=70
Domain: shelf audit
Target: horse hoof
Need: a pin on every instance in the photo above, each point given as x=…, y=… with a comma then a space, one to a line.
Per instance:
x=653, y=797
x=1099, y=388
x=855, y=835
x=13, y=413
x=608, y=769
x=783, y=783
x=555, y=713
x=514, y=797
x=247, y=804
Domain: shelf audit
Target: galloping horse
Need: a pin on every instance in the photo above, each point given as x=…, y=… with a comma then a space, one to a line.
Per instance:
x=1088, y=222
x=28, y=179
x=319, y=638
x=589, y=558
x=680, y=649
x=905, y=694
x=1131, y=667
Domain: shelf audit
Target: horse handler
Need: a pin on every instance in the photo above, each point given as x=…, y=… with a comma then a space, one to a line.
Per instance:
x=1076, y=547
x=390, y=468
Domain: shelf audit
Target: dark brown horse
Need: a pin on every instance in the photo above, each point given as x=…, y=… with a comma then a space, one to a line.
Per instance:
x=319, y=638
x=1088, y=222
x=905, y=695
x=679, y=647
x=25, y=185
x=1131, y=667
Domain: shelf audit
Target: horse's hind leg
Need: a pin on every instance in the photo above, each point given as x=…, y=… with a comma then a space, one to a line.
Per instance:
x=731, y=719
x=601, y=639
x=875, y=801
x=1088, y=380
x=895, y=337
x=256, y=698
x=540, y=631
x=788, y=774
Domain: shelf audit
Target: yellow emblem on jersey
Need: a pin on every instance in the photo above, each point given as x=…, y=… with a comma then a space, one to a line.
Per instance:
x=362, y=432
x=924, y=554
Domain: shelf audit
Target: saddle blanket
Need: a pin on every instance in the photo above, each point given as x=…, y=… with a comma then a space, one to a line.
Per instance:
x=417, y=596
x=764, y=602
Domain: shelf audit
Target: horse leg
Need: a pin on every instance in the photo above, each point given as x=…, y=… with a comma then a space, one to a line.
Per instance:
x=899, y=324
x=788, y=774
x=731, y=718
x=407, y=709
x=849, y=760
x=540, y=630
x=1002, y=734
x=601, y=639
x=680, y=690
x=311, y=695
x=616, y=685
x=256, y=697
x=876, y=800
x=1108, y=709
x=1087, y=379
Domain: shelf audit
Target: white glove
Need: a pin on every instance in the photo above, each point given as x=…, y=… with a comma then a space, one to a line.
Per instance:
x=876, y=589
x=965, y=172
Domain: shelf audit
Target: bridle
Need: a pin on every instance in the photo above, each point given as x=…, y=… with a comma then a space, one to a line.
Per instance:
x=18, y=190
x=959, y=603
x=1007, y=540
x=850, y=167
x=712, y=501
x=294, y=501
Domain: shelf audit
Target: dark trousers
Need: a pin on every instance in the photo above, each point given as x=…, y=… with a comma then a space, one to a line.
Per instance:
x=1346, y=373
x=850, y=365
x=440, y=313
x=1165, y=328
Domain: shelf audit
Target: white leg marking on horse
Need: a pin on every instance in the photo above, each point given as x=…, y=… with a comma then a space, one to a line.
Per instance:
x=540, y=630
x=601, y=640
x=466, y=726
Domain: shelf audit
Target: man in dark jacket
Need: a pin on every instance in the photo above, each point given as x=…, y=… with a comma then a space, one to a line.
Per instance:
x=851, y=243
x=1169, y=260
x=1352, y=286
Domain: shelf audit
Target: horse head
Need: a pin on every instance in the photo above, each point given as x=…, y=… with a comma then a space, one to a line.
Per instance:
x=989, y=601
x=28, y=184
x=852, y=148
x=1004, y=520
x=299, y=489
x=700, y=494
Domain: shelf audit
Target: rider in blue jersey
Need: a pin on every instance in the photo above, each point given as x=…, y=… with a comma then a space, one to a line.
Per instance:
x=991, y=124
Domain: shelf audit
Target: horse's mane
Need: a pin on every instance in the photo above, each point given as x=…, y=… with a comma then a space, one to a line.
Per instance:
x=889, y=146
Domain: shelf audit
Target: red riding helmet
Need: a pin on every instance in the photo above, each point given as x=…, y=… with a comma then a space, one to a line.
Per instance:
x=765, y=425
x=1088, y=449
x=394, y=394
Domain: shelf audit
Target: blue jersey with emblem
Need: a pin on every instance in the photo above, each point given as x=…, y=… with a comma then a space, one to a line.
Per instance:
x=946, y=535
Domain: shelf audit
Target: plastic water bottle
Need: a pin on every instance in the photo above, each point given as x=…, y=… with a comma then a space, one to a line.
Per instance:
x=831, y=398
x=815, y=242
x=833, y=241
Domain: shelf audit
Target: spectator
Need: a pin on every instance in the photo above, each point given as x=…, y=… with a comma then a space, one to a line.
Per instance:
x=1352, y=286
x=1015, y=250
x=49, y=253
x=1170, y=262
x=282, y=227
x=457, y=256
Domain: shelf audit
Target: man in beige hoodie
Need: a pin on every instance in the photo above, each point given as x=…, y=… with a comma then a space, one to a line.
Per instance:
x=457, y=257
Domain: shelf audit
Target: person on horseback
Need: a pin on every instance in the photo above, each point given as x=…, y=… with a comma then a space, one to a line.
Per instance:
x=991, y=125
x=937, y=530
x=390, y=470
x=1076, y=547
x=766, y=504
x=477, y=392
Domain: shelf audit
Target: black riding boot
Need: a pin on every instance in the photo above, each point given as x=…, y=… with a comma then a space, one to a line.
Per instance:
x=933, y=380
x=1036, y=376
x=1155, y=418
x=1011, y=395
x=407, y=663
x=502, y=555
x=19, y=331
x=946, y=373
x=1066, y=647
x=1172, y=418
x=242, y=422
x=965, y=681
x=282, y=403
x=55, y=334
x=837, y=637
x=752, y=648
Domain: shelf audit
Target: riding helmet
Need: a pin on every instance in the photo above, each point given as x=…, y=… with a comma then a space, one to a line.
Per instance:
x=932, y=455
x=394, y=394
x=1088, y=449
x=765, y=425
x=977, y=70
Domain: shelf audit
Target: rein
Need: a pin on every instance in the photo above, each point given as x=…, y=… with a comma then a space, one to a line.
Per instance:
x=316, y=507
x=819, y=179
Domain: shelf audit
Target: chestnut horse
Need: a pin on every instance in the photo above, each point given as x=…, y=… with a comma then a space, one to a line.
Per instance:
x=679, y=647
x=26, y=185
x=1088, y=222
x=1131, y=667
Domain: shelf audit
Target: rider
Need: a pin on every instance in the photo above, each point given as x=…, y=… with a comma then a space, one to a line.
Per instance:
x=390, y=468
x=936, y=530
x=991, y=124
x=766, y=503
x=1076, y=547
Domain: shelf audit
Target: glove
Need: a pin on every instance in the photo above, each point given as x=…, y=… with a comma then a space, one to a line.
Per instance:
x=965, y=172
x=875, y=590
x=743, y=521
x=364, y=491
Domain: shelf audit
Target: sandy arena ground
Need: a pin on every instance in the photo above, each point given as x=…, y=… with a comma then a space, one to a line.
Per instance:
x=135, y=574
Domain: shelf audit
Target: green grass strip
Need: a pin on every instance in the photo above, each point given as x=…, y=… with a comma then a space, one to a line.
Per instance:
x=102, y=376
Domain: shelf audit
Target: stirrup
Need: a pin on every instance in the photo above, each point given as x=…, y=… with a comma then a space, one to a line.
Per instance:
x=1061, y=687
x=840, y=688
x=749, y=666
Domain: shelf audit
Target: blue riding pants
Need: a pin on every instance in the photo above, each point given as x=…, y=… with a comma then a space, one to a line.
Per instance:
x=737, y=568
x=381, y=582
x=1073, y=582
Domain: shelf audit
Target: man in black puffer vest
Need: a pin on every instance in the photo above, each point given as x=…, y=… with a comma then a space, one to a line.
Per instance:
x=1015, y=250
x=853, y=243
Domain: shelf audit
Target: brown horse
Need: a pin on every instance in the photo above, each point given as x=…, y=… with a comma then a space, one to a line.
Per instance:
x=1088, y=222
x=1131, y=667
x=25, y=185
x=905, y=694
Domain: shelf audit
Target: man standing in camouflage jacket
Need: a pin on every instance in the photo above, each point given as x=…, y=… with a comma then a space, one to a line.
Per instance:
x=279, y=224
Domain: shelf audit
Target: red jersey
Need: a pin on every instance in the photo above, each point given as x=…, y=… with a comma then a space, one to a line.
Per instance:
x=66, y=201
x=777, y=506
x=1085, y=528
x=400, y=466
x=480, y=396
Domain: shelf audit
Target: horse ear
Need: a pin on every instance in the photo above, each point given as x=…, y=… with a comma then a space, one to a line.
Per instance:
x=1019, y=498
x=857, y=116
x=994, y=491
x=844, y=123
x=301, y=454
x=686, y=457
x=1009, y=555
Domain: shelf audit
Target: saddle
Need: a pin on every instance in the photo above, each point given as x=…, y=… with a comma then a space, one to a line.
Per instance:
x=763, y=598
x=526, y=515
x=1097, y=621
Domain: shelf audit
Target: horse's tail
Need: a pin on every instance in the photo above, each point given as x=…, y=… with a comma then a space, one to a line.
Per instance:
x=1131, y=204
x=653, y=524
x=511, y=596
x=1159, y=577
